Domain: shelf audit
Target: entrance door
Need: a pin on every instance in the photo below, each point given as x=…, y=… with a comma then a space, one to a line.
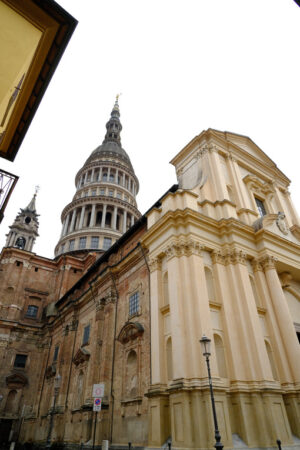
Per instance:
x=5, y=427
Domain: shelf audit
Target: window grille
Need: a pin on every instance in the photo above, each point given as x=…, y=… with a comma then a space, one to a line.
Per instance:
x=134, y=304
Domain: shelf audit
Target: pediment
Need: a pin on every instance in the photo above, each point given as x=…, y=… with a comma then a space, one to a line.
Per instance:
x=130, y=331
x=81, y=356
x=16, y=381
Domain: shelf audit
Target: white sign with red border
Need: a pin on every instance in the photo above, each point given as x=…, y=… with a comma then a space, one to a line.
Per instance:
x=97, y=404
x=98, y=390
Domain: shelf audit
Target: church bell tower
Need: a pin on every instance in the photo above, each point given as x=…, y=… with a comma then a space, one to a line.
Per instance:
x=24, y=231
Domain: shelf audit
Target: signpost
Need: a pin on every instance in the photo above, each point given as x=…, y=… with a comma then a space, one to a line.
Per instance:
x=98, y=393
x=97, y=404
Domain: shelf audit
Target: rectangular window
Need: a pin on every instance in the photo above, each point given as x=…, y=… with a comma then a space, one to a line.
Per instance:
x=260, y=206
x=95, y=242
x=32, y=311
x=86, y=335
x=134, y=303
x=106, y=243
x=119, y=195
x=71, y=244
x=62, y=248
x=111, y=178
x=102, y=191
x=55, y=354
x=111, y=193
x=82, y=242
x=20, y=361
x=93, y=192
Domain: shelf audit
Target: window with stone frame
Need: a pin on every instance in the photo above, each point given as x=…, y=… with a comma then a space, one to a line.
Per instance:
x=86, y=335
x=32, y=311
x=106, y=243
x=134, y=304
x=55, y=354
x=71, y=244
x=20, y=361
x=82, y=242
x=94, y=242
x=260, y=206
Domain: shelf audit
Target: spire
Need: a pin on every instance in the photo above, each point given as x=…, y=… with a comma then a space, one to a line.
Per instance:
x=24, y=231
x=114, y=126
x=31, y=206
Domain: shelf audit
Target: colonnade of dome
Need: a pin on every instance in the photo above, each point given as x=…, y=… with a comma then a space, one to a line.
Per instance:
x=104, y=205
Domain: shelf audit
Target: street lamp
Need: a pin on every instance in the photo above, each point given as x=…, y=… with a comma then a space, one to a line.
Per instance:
x=57, y=383
x=205, y=343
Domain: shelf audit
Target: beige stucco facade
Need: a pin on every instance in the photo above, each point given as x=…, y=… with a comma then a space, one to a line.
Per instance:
x=219, y=269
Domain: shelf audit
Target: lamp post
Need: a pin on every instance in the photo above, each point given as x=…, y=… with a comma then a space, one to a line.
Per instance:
x=57, y=382
x=205, y=343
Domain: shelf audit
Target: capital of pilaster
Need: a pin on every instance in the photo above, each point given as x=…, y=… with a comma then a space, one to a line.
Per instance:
x=212, y=148
x=193, y=247
x=217, y=257
x=268, y=262
x=230, y=157
x=172, y=250
x=154, y=264
x=256, y=265
x=203, y=150
x=229, y=256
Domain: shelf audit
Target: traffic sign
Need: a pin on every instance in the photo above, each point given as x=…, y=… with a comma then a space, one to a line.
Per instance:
x=97, y=404
x=98, y=390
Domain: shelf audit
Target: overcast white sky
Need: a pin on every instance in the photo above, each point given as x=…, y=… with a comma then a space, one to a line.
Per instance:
x=181, y=66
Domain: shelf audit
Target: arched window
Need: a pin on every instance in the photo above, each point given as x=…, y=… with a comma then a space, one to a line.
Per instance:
x=220, y=356
x=271, y=360
x=11, y=402
x=108, y=219
x=99, y=218
x=132, y=374
x=209, y=284
x=104, y=176
x=165, y=289
x=169, y=359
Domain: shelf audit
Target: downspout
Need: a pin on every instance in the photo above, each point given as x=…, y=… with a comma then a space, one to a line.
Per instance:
x=113, y=360
x=38, y=411
x=149, y=288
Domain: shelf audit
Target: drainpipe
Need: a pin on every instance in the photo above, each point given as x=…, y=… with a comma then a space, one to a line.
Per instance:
x=113, y=360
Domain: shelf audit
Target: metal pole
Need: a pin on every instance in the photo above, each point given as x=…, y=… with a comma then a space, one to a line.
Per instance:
x=48, y=443
x=95, y=430
x=218, y=445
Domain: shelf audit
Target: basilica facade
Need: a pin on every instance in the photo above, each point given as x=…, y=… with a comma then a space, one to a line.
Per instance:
x=127, y=298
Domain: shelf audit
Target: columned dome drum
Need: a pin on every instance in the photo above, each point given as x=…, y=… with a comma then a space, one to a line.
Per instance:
x=104, y=205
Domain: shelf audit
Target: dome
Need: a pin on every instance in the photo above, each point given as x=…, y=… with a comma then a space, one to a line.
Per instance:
x=109, y=148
